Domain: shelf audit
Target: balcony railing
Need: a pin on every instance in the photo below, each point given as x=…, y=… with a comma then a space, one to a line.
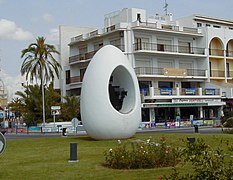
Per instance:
x=230, y=74
x=229, y=53
x=168, y=48
x=77, y=38
x=89, y=55
x=216, y=52
x=217, y=73
x=94, y=33
x=169, y=27
x=110, y=28
x=169, y=71
x=181, y=92
x=75, y=79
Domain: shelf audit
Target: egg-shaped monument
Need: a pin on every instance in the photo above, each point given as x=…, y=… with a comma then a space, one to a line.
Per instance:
x=110, y=98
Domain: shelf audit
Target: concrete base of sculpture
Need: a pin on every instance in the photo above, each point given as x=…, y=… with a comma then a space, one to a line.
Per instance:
x=110, y=98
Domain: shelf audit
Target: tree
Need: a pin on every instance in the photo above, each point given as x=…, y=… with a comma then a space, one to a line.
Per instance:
x=17, y=106
x=32, y=102
x=39, y=63
x=70, y=108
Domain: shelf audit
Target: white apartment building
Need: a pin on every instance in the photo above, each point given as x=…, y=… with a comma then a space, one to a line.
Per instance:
x=183, y=66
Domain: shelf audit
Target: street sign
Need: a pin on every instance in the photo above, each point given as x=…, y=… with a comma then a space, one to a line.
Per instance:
x=55, y=110
x=2, y=143
x=74, y=122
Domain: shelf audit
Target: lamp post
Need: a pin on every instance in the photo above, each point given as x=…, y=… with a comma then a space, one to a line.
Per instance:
x=43, y=99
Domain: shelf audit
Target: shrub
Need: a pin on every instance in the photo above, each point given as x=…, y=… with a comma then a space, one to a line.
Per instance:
x=141, y=154
x=228, y=131
x=207, y=163
x=228, y=122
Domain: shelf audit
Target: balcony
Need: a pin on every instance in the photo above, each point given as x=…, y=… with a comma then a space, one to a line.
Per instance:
x=87, y=56
x=168, y=48
x=216, y=52
x=230, y=74
x=182, y=72
x=217, y=73
x=75, y=79
x=229, y=54
x=81, y=57
x=170, y=93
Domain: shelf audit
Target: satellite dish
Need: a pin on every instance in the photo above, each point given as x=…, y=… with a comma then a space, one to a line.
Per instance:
x=2, y=143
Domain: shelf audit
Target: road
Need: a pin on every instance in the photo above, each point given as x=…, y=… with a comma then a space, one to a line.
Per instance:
x=184, y=130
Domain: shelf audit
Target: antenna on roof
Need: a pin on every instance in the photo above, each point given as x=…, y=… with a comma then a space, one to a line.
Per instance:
x=165, y=7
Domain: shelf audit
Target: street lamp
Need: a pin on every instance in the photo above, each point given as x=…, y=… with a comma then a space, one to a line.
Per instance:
x=43, y=96
x=43, y=104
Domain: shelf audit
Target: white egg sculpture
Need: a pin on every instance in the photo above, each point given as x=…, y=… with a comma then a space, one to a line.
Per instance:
x=110, y=99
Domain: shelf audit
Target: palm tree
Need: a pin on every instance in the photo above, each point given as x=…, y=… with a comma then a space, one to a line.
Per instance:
x=39, y=63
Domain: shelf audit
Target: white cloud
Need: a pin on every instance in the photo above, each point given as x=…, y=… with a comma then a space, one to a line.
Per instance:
x=12, y=84
x=10, y=31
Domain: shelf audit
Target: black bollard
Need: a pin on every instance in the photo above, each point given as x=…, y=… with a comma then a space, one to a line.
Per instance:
x=196, y=128
x=64, y=132
x=73, y=152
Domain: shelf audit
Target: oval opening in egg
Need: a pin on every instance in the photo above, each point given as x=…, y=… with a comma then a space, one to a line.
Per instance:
x=122, y=90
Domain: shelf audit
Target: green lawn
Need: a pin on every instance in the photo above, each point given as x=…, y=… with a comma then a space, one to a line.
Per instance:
x=47, y=158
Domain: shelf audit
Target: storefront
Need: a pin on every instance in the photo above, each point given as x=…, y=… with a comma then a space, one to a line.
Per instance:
x=184, y=109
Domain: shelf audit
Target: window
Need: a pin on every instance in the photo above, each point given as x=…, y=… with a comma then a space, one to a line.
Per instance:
x=68, y=77
x=138, y=44
x=228, y=69
x=98, y=45
x=164, y=45
x=160, y=47
x=207, y=25
x=139, y=17
x=186, y=65
x=210, y=69
x=165, y=64
x=141, y=44
x=144, y=87
x=117, y=43
x=163, y=84
x=189, y=84
x=82, y=72
x=216, y=26
x=184, y=47
x=199, y=24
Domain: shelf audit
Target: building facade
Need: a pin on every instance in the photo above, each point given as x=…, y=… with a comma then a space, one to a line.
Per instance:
x=183, y=66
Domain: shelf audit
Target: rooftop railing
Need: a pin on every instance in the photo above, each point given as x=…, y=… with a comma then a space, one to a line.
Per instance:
x=169, y=27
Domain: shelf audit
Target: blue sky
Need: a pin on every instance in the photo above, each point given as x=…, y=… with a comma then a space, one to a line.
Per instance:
x=21, y=21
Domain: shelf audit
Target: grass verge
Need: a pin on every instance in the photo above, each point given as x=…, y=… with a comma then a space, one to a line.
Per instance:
x=47, y=158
